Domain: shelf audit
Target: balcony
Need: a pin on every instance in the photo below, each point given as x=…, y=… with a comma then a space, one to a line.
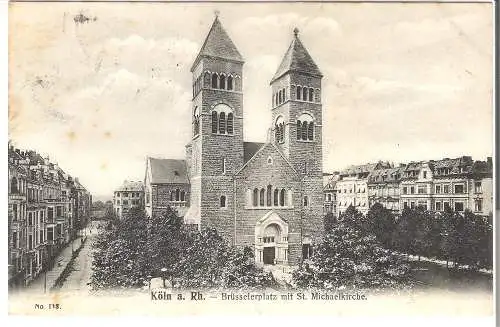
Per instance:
x=17, y=197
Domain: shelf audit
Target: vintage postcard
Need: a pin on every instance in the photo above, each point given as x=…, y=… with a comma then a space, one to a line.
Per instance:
x=257, y=158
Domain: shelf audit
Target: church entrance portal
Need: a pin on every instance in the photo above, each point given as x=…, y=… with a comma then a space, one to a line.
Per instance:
x=269, y=255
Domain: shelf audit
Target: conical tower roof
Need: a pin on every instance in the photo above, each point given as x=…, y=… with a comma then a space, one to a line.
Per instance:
x=218, y=44
x=297, y=59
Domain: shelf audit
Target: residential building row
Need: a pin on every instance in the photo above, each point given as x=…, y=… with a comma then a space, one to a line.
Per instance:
x=46, y=209
x=459, y=184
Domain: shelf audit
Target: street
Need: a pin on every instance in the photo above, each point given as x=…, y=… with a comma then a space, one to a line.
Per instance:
x=80, y=273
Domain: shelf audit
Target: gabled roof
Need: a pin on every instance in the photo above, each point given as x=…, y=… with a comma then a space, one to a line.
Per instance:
x=165, y=171
x=250, y=149
x=261, y=149
x=218, y=44
x=297, y=59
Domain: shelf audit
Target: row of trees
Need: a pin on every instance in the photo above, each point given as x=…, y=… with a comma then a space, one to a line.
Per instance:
x=459, y=238
x=351, y=256
x=136, y=249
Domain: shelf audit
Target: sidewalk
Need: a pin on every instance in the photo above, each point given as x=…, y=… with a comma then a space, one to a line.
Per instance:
x=60, y=262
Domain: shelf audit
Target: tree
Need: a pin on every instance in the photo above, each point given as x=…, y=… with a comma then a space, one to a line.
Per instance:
x=382, y=224
x=351, y=257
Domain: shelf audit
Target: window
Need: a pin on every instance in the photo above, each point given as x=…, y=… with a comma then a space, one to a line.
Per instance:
x=438, y=206
x=422, y=189
x=329, y=197
x=478, y=205
x=50, y=213
x=14, y=211
x=422, y=204
x=478, y=187
x=306, y=201
x=30, y=242
x=222, y=123
x=196, y=121
x=230, y=120
x=172, y=195
x=412, y=190
x=405, y=190
x=438, y=189
x=14, y=239
x=459, y=206
x=183, y=196
x=298, y=92
x=304, y=93
x=446, y=206
x=305, y=127
x=222, y=82
x=255, y=197
x=125, y=202
x=282, y=197
x=306, y=251
x=215, y=118
x=177, y=195
x=425, y=174
x=269, y=199
x=269, y=160
x=230, y=83
x=262, y=194
x=50, y=234
x=223, y=201
x=311, y=94
x=276, y=197
x=13, y=185
x=446, y=189
x=214, y=80
x=279, y=130
x=412, y=205
x=459, y=188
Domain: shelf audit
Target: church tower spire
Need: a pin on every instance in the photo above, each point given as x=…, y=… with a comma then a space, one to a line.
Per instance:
x=297, y=109
x=216, y=148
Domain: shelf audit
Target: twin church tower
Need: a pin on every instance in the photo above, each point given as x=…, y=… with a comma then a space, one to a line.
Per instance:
x=268, y=196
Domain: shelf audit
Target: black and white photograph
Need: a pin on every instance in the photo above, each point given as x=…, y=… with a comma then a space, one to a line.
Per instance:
x=186, y=158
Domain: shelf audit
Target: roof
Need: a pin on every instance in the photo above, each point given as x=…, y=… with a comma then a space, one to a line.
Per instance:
x=218, y=44
x=385, y=175
x=168, y=171
x=297, y=59
x=250, y=149
x=131, y=186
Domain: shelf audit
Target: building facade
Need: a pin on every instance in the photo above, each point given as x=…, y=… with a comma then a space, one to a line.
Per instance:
x=41, y=219
x=129, y=195
x=457, y=184
x=268, y=196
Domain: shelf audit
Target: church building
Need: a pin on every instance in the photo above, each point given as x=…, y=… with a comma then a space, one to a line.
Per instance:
x=268, y=196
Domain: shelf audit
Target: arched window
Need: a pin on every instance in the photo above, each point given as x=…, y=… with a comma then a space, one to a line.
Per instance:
x=196, y=121
x=311, y=94
x=13, y=185
x=269, y=190
x=206, y=79
x=255, y=201
x=230, y=123
x=274, y=100
x=261, y=197
x=223, y=201
x=306, y=201
x=222, y=123
x=222, y=82
x=304, y=94
x=310, y=131
x=177, y=195
x=299, y=92
x=304, y=130
x=279, y=127
x=282, y=197
x=284, y=95
x=214, y=80
x=183, y=196
x=276, y=197
x=280, y=94
x=230, y=83
x=215, y=125
x=172, y=196
x=305, y=127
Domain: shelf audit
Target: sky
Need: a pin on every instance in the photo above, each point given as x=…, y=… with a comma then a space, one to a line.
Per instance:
x=401, y=82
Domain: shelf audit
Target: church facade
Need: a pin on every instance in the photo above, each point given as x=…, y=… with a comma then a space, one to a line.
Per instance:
x=268, y=196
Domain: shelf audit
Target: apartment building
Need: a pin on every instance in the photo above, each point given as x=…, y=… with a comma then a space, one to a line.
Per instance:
x=129, y=195
x=383, y=187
